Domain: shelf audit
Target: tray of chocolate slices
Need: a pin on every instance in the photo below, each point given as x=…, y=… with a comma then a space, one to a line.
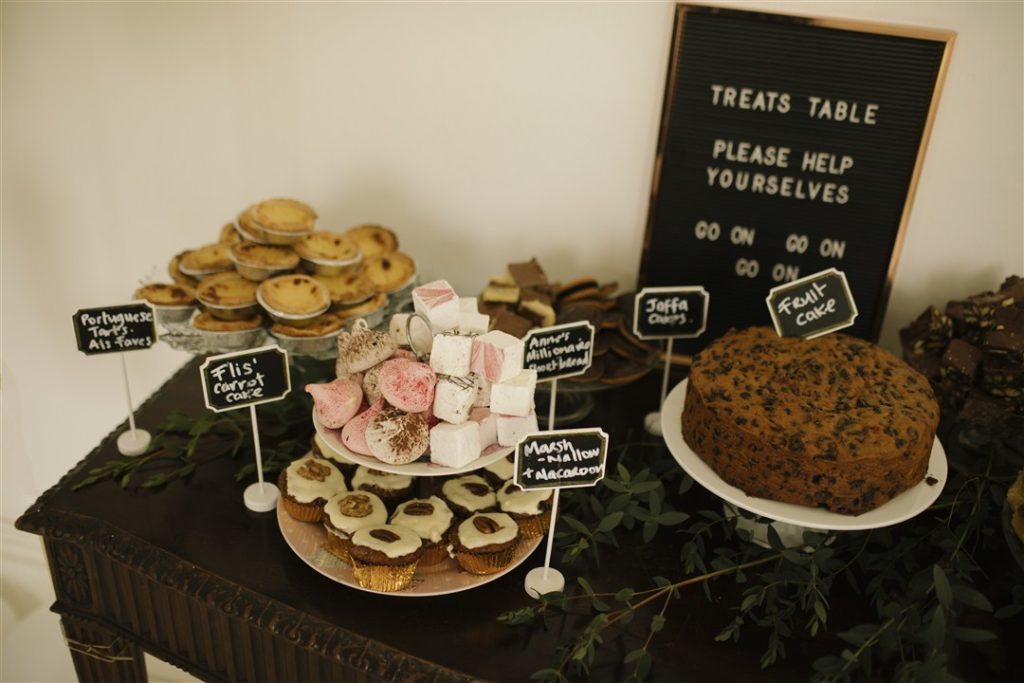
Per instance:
x=972, y=352
x=524, y=297
x=273, y=271
x=416, y=411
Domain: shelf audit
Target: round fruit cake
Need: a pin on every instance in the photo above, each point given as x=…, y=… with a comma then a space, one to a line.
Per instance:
x=832, y=422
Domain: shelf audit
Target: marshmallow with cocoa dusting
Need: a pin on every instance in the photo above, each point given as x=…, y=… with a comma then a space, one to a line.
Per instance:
x=497, y=355
x=336, y=402
x=437, y=302
x=482, y=386
x=453, y=398
x=454, y=445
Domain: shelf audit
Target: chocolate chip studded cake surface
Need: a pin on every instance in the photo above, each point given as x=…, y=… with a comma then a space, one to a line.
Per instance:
x=832, y=422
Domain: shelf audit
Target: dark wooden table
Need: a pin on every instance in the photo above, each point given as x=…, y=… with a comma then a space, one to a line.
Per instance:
x=187, y=574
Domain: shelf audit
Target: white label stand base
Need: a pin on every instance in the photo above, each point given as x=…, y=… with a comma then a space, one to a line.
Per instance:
x=133, y=442
x=652, y=421
x=261, y=496
x=542, y=580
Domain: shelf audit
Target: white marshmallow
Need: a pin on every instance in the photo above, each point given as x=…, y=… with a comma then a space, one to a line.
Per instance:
x=483, y=390
x=450, y=354
x=453, y=399
x=488, y=422
x=497, y=355
x=471, y=322
x=512, y=428
x=438, y=303
x=468, y=304
x=454, y=445
x=514, y=397
x=421, y=334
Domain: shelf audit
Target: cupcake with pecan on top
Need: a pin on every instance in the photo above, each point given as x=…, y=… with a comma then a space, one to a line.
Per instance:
x=485, y=543
x=305, y=486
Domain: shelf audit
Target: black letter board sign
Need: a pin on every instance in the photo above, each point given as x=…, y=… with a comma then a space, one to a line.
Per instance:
x=559, y=351
x=109, y=329
x=788, y=145
x=670, y=312
x=813, y=305
x=560, y=459
x=245, y=378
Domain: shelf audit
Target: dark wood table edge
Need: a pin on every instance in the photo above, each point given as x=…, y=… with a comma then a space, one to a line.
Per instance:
x=72, y=540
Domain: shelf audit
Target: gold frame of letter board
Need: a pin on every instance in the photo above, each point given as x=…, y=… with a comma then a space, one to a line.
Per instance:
x=938, y=35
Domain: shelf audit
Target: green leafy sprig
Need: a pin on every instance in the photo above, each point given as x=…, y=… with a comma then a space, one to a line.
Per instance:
x=926, y=581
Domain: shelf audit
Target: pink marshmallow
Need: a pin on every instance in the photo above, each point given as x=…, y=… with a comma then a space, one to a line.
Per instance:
x=497, y=355
x=438, y=303
x=336, y=402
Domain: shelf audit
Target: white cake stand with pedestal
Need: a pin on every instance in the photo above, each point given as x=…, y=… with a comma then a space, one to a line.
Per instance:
x=794, y=519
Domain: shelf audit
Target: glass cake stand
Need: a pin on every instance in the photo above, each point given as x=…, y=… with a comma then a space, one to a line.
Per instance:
x=911, y=502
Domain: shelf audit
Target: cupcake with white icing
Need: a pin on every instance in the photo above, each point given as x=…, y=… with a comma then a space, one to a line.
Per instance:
x=384, y=556
x=531, y=509
x=485, y=543
x=431, y=519
x=346, y=513
x=305, y=486
x=499, y=471
x=392, y=488
x=468, y=495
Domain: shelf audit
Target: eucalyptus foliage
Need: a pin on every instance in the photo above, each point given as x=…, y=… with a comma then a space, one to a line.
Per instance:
x=924, y=581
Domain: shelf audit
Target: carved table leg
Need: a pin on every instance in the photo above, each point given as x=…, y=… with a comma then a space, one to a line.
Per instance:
x=101, y=656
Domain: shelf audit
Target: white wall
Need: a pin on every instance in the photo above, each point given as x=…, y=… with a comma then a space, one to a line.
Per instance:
x=481, y=132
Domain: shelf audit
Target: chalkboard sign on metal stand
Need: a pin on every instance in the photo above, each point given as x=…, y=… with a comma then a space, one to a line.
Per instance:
x=118, y=329
x=668, y=313
x=813, y=305
x=555, y=352
x=558, y=351
x=788, y=145
x=556, y=460
x=248, y=378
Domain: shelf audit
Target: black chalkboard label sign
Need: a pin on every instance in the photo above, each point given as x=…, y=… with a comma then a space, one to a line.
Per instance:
x=559, y=351
x=245, y=378
x=561, y=459
x=670, y=312
x=111, y=329
x=813, y=305
x=788, y=145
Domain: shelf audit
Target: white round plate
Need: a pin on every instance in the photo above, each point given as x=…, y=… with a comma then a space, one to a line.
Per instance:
x=307, y=541
x=901, y=508
x=417, y=468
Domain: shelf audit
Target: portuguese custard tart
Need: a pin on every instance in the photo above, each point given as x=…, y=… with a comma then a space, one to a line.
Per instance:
x=160, y=294
x=373, y=239
x=293, y=298
x=390, y=272
x=228, y=295
x=282, y=215
x=211, y=258
x=347, y=289
x=259, y=261
x=329, y=249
